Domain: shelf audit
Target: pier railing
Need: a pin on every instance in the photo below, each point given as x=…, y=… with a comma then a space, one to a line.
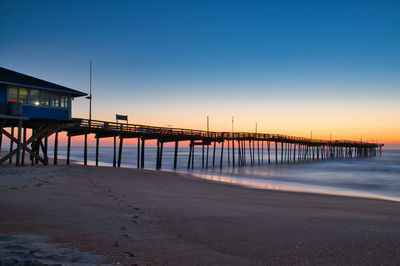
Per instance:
x=114, y=127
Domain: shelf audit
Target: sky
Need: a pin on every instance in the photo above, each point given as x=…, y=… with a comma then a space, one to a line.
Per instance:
x=292, y=67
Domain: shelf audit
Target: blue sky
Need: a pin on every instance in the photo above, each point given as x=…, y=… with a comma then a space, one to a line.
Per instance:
x=153, y=59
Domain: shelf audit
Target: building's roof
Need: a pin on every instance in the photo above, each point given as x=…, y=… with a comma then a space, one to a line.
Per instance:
x=13, y=78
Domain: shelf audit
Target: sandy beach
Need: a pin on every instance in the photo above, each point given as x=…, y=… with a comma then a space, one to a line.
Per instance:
x=102, y=215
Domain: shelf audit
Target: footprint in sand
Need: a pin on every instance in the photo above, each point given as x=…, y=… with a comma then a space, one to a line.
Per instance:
x=135, y=217
x=129, y=254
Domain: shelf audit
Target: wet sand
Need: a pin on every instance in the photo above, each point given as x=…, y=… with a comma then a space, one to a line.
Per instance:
x=105, y=215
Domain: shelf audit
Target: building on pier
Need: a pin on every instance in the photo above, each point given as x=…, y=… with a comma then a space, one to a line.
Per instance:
x=30, y=97
x=29, y=103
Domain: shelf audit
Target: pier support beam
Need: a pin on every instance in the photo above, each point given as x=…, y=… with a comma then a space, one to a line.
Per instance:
x=190, y=154
x=244, y=151
x=294, y=152
x=254, y=158
x=85, y=151
x=202, y=156
x=222, y=155
x=161, y=152
x=193, y=156
x=68, y=149
x=18, y=159
x=121, y=141
x=160, y=145
x=251, y=153
x=240, y=153
x=176, y=154
x=11, y=144
x=142, y=155
x=56, y=148
x=97, y=151
x=138, y=153
x=46, y=145
x=158, y=155
x=23, y=150
x=115, y=152
x=215, y=144
x=208, y=148
x=229, y=154
x=233, y=152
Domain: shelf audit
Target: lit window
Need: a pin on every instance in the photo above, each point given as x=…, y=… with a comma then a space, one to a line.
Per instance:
x=35, y=97
x=23, y=95
x=12, y=94
x=44, y=98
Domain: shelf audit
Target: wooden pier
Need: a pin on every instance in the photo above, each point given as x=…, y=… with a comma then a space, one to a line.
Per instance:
x=237, y=148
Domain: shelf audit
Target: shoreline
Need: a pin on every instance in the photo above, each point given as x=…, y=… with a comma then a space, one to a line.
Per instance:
x=362, y=195
x=157, y=217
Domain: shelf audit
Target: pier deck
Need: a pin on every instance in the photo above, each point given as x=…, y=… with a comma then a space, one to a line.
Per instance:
x=291, y=149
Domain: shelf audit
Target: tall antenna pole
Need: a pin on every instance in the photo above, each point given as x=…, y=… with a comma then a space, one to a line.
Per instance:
x=232, y=124
x=256, y=128
x=90, y=95
x=208, y=124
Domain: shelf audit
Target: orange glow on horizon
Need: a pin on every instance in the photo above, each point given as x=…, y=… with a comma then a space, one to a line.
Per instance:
x=352, y=120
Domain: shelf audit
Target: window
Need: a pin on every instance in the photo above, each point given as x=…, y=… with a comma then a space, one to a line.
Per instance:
x=44, y=98
x=35, y=97
x=64, y=101
x=12, y=94
x=55, y=100
x=59, y=100
x=23, y=95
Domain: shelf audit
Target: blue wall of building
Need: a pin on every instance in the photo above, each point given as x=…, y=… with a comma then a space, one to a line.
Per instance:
x=45, y=112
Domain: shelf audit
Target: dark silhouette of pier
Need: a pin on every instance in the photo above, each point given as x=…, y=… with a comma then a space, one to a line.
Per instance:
x=238, y=148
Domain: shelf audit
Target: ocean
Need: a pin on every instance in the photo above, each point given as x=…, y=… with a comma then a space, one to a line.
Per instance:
x=374, y=177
